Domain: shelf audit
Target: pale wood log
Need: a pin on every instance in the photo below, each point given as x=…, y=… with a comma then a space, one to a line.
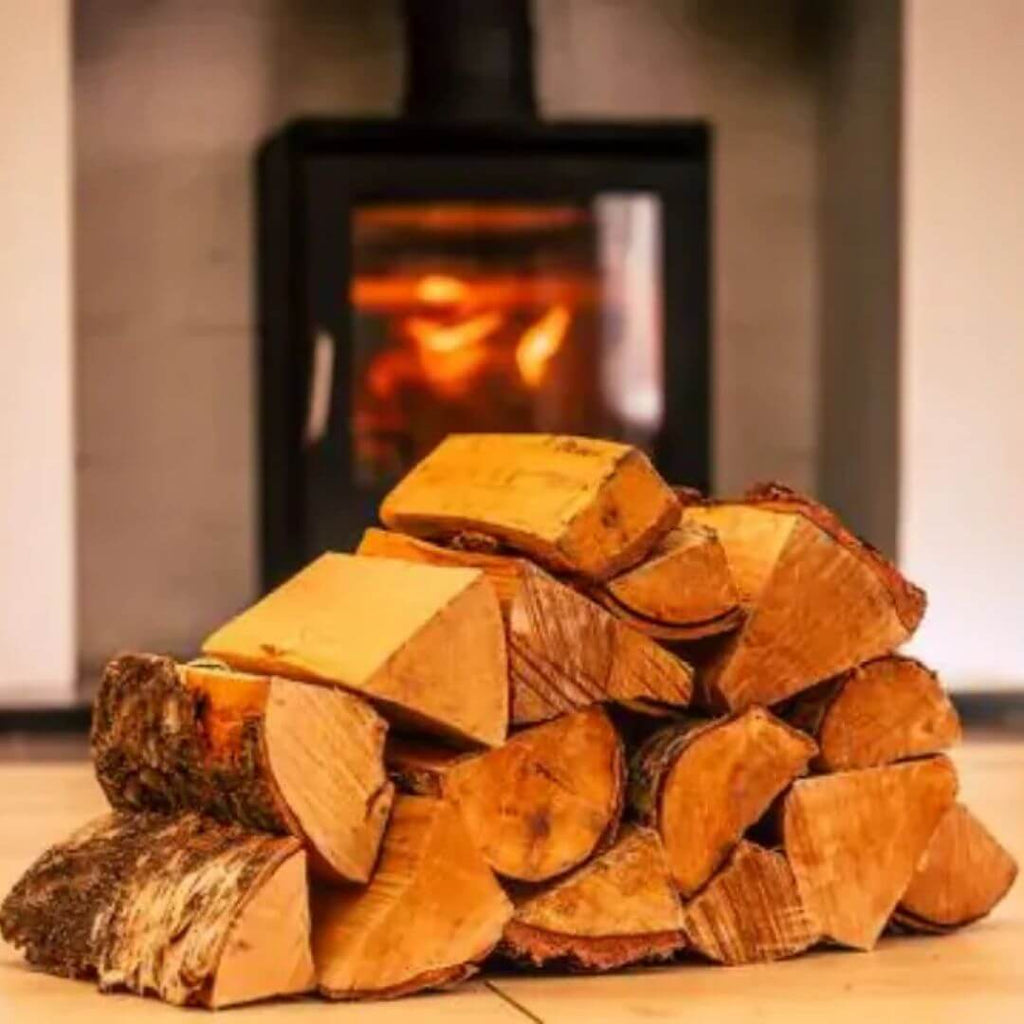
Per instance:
x=266, y=752
x=195, y=912
x=964, y=873
x=854, y=840
x=750, y=911
x=702, y=783
x=574, y=504
x=538, y=806
x=424, y=644
x=819, y=600
x=682, y=591
x=618, y=909
x=564, y=650
x=431, y=913
x=886, y=710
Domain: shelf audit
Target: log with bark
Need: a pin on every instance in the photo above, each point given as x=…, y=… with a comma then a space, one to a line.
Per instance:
x=564, y=651
x=964, y=873
x=181, y=907
x=682, y=591
x=750, y=911
x=576, y=505
x=431, y=913
x=536, y=807
x=620, y=908
x=268, y=753
x=854, y=840
x=701, y=784
x=886, y=710
x=819, y=600
x=424, y=645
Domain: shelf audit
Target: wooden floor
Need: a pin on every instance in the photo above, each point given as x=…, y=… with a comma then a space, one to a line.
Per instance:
x=974, y=977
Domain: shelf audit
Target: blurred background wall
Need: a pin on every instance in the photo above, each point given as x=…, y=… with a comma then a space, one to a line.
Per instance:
x=171, y=98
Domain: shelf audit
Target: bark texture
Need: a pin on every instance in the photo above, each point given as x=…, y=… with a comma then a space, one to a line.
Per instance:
x=148, y=903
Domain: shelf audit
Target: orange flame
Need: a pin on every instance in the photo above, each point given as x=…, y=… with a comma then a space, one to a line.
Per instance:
x=539, y=344
x=438, y=337
x=440, y=290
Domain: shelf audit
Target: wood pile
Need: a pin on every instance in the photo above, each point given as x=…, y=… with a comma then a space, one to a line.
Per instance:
x=555, y=713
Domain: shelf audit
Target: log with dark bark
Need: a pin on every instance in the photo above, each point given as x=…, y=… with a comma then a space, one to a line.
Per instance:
x=854, y=840
x=702, y=783
x=431, y=913
x=750, y=911
x=181, y=907
x=424, y=645
x=618, y=909
x=564, y=650
x=819, y=600
x=536, y=807
x=682, y=591
x=576, y=505
x=964, y=873
x=886, y=710
x=268, y=753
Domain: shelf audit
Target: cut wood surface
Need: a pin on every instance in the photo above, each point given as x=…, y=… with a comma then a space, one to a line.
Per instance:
x=426, y=645
x=964, y=873
x=574, y=504
x=750, y=911
x=818, y=600
x=885, y=710
x=431, y=913
x=268, y=753
x=564, y=650
x=855, y=838
x=701, y=784
x=683, y=590
x=621, y=908
x=182, y=907
x=541, y=804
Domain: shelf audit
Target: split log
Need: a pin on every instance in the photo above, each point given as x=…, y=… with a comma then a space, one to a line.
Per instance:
x=431, y=913
x=424, y=645
x=564, y=651
x=887, y=710
x=576, y=505
x=195, y=912
x=964, y=873
x=682, y=591
x=267, y=753
x=538, y=806
x=855, y=838
x=702, y=784
x=819, y=600
x=750, y=911
x=619, y=909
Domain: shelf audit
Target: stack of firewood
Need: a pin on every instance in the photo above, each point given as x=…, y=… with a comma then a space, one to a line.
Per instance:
x=556, y=713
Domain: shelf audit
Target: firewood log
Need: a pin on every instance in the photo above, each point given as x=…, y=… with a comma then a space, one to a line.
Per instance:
x=819, y=600
x=564, y=651
x=431, y=913
x=855, y=838
x=538, y=806
x=425, y=645
x=964, y=873
x=750, y=911
x=576, y=505
x=182, y=907
x=618, y=909
x=268, y=753
x=886, y=710
x=701, y=784
x=682, y=591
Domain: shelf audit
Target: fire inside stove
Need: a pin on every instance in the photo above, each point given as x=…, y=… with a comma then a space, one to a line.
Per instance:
x=503, y=316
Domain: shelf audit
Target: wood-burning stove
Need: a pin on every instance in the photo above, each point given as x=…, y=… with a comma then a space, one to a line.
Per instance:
x=471, y=267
